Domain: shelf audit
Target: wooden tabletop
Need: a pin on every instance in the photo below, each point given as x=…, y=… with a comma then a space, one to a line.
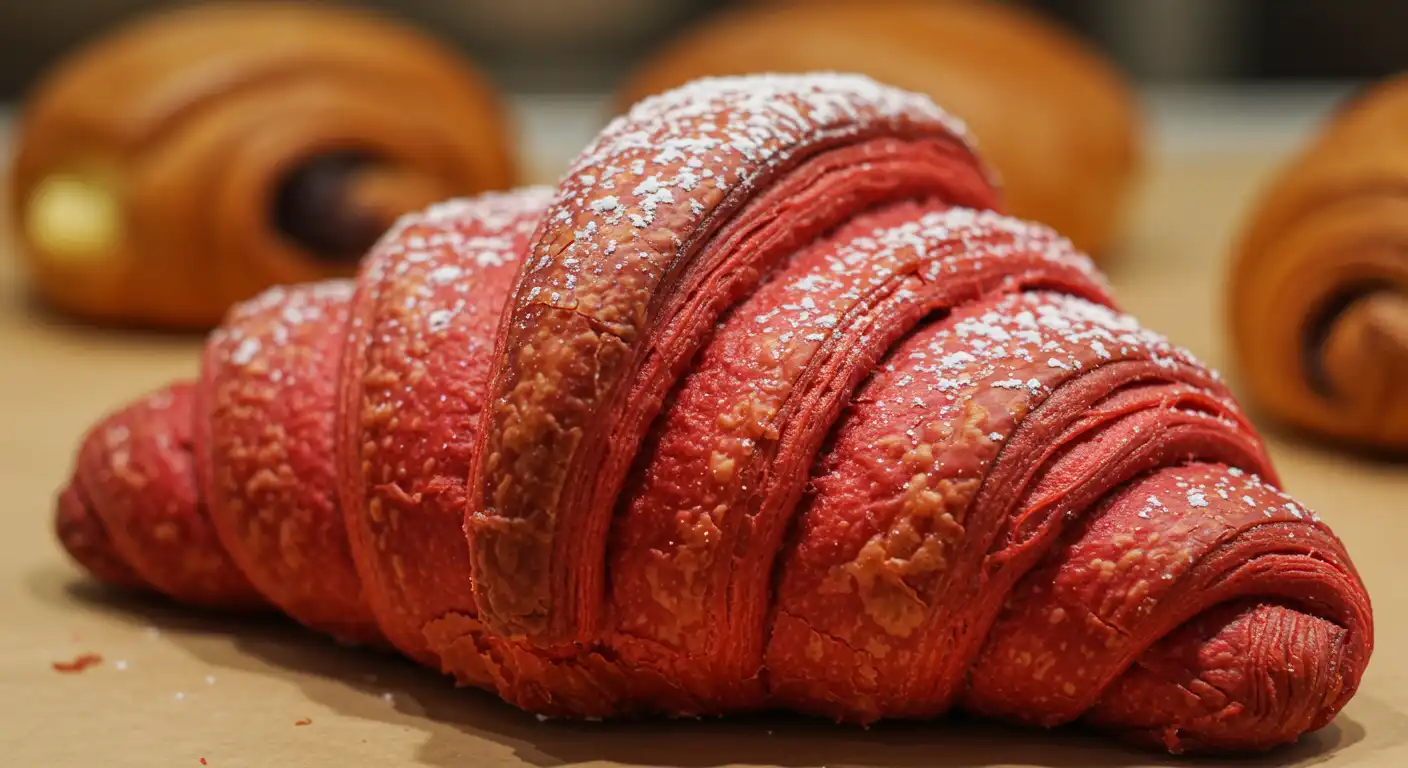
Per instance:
x=178, y=688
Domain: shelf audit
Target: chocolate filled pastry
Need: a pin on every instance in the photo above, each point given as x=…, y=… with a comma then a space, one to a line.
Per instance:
x=196, y=157
x=1318, y=299
x=764, y=406
x=1052, y=115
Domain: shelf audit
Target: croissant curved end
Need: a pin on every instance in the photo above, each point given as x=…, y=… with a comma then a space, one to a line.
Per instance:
x=1319, y=279
x=133, y=509
x=766, y=406
x=1365, y=360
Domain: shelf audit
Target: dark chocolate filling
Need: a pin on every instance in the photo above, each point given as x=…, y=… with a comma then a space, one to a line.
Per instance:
x=314, y=208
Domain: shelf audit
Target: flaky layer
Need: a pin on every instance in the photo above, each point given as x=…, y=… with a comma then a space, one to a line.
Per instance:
x=412, y=381
x=265, y=440
x=134, y=510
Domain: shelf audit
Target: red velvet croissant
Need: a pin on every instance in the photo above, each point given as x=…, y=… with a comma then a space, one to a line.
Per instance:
x=765, y=406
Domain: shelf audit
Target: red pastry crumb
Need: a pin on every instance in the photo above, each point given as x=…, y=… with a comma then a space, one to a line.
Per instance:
x=304, y=721
x=202, y=761
x=79, y=664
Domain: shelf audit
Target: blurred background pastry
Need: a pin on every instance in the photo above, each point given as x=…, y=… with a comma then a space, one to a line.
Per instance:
x=1319, y=287
x=189, y=159
x=1050, y=113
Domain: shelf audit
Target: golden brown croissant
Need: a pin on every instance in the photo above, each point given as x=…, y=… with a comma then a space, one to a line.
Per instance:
x=762, y=406
x=1053, y=117
x=196, y=157
x=1318, y=299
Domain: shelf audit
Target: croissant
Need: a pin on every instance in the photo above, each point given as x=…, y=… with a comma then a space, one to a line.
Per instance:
x=764, y=406
x=196, y=157
x=1052, y=115
x=1317, y=304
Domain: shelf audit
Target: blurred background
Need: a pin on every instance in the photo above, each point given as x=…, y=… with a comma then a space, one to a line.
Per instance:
x=554, y=46
x=1259, y=69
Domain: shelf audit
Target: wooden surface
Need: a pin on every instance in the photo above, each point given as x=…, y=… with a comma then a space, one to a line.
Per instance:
x=176, y=686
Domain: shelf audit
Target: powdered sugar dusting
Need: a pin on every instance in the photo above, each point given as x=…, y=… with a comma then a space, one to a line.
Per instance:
x=267, y=323
x=1028, y=342
x=1223, y=491
x=661, y=168
x=489, y=211
x=435, y=256
x=910, y=263
x=951, y=241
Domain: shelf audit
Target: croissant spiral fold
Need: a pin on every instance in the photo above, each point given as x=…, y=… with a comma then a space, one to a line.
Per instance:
x=765, y=405
x=1318, y=298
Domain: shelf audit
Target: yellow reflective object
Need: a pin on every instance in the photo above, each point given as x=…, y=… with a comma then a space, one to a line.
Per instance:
x=73, y=217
